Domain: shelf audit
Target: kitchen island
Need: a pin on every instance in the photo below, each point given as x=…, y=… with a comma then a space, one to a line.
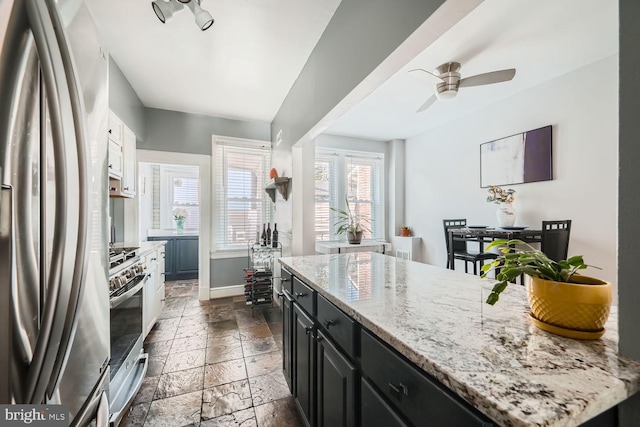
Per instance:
x=435, y=320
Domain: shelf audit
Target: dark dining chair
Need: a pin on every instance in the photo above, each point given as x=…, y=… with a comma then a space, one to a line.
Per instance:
x=460, y=250
x=555, y=239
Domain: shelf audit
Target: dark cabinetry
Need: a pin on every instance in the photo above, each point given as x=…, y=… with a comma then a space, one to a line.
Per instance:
x=181, y=257
x=321, y=376
x=341, y=375
x=303, y=363
x=335, y=391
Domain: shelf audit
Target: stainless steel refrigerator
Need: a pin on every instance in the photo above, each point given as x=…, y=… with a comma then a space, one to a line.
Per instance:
x=54, y=303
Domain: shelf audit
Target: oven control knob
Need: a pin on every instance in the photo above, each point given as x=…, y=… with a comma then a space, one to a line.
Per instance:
x=143, y=267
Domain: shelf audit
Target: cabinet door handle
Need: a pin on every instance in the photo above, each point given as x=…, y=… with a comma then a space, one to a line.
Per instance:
x=280, y=294
x=152, y=259
x=126, y=188
x=318, y=338
x=110, y=166
x=300, y=294
x=308, y=329
x=284, y=279
x=328, y=323
x=163, y=299
x=398, y=390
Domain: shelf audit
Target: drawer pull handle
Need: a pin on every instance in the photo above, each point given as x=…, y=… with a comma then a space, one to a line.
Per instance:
x=284, y=279
x=300, y=294
x=399, y=390
x=308, y=329
x=328, y=323
x=280, y=294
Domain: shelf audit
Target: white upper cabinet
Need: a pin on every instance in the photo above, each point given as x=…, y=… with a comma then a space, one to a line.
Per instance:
x=122, y=158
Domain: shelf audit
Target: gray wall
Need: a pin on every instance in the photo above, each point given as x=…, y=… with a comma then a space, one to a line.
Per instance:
x=629, y=178
x=124, y=101
x=191, y=133
x=361, y=34
x=227, y=271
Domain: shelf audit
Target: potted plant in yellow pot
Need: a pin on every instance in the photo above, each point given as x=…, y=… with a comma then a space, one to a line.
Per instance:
x=351, y=223
x=562, y=301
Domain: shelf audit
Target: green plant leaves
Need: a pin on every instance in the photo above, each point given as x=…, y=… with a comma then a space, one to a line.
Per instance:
x=515, y=261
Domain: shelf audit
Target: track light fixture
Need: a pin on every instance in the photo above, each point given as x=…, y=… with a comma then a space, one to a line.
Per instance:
x=165, y=9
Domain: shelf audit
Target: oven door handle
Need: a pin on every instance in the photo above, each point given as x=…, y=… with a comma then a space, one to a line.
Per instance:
x=116, y=301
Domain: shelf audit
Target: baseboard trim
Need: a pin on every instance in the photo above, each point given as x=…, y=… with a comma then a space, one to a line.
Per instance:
x=226, y=291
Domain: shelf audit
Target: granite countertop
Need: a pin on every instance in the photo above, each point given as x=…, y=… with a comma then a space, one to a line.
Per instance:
x=491, y=356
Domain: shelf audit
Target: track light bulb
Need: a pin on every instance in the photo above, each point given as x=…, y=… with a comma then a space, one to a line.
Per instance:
x=164, y=10
x=204, y=20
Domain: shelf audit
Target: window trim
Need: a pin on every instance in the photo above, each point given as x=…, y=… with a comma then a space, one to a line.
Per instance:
x=216, y=220
x=340, y=162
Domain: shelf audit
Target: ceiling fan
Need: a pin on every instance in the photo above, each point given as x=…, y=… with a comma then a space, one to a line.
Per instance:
x=447, y=80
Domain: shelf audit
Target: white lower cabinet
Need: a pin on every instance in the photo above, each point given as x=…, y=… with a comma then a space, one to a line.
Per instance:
x=153, y=295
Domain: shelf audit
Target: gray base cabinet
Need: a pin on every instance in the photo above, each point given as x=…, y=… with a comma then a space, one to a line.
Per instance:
x=341, y=375
x=181, y=257
x=335, y=391
x=303, y=365
x=287, y=344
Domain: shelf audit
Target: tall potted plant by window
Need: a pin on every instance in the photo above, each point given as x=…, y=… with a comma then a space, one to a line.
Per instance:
x=351, y=223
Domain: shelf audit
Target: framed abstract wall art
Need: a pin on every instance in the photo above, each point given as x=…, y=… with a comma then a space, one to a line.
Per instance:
x=517, y=159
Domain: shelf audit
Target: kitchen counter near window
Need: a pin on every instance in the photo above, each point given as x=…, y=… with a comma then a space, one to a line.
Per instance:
x=493, y=357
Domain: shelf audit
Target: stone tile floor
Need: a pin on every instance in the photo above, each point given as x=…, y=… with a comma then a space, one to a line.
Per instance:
x=213, y=363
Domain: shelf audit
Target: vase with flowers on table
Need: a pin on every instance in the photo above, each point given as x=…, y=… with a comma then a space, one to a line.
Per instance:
x=506, y=213
x=180, y=216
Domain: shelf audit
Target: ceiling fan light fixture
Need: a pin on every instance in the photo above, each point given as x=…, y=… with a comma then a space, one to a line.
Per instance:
x=165, y=10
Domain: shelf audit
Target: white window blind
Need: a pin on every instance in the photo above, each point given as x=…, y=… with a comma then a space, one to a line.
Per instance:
x=178, y=187
x=326, y=192
x=341, y=174
x=363, y=191
x=242, y=205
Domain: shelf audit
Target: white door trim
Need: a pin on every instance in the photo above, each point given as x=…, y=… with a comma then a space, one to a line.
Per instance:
x=203, y=163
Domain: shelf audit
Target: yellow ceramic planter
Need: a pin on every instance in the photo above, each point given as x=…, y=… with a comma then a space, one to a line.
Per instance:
x=576, y=310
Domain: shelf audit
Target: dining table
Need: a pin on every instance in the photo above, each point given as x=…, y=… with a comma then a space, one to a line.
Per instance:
x=486, y=234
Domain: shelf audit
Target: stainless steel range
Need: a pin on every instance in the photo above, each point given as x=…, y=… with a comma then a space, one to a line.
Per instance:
x=127, y=277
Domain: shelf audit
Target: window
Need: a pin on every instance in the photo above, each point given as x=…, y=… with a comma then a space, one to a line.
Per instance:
x=172, y=187
x=180, y=189
x=355, y=176
x=242, y=205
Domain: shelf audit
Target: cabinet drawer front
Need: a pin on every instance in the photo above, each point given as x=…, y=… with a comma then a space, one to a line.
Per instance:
x=303, y=295
x=375, y=410
x=287, y=281
x=337, y=324
x=416, y=396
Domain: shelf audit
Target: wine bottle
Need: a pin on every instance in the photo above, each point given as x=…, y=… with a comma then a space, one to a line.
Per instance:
x=268, y=234
x=264, y=235
x=274, y=238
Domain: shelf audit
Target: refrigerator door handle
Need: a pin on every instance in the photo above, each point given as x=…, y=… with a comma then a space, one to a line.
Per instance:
x=102, y=417
x=6, y=261
x=82, y=246
x=59, y=283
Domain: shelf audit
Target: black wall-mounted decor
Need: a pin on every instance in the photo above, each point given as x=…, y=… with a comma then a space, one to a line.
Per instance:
x=517, y=159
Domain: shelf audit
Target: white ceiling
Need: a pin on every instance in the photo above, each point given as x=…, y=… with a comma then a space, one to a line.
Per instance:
x=542, y=39
x=245, y=64
x=240, y=68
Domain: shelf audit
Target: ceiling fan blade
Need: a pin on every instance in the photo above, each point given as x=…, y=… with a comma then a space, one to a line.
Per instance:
x=427, y=104
x=425, y=75
x=488, y=78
